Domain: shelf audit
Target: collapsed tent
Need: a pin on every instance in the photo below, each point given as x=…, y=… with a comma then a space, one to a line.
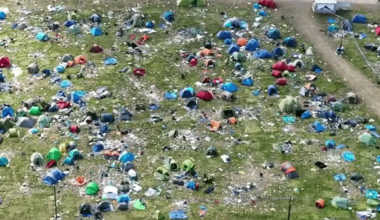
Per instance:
x=268, y=3
x=341, y=203
x=235, y=23
x=347, y=26
x=273, y=34
x=222, y=35
x=262, y=54
x=289, y=105
x=282, y=66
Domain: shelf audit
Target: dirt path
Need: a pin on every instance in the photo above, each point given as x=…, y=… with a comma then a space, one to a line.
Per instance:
x=300, y=15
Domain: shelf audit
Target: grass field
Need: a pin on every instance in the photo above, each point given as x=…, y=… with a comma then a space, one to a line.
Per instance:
x=164, y=72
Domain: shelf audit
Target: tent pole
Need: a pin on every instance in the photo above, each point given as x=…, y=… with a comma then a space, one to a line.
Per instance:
x=55, y=203
x=290, y=207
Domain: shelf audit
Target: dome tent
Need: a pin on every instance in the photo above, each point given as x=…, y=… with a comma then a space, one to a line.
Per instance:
x=110, y=192
x=92, y=188
x=273, y=34
x=162, y=174
x=96, y=18
x=362, y=19
x=205, y=95
x=233, y=48
x=41, y=36
x=191, y=103
x=7, y=111
x=96, y=31
x=37, y=159
x=53, y=177
x=75, y=29
x=272, y=90
x=187, y=92
x=171, y=164
x=168, y=16
x=262, y=54
x=368, y=139
x=3, y=162
x=75, y=154
x=229, y=87
x=43, y=121
x=223, y=35
x=290, y=42
x=347, y=26
x=252, y=45
x=3, y=16
x=126, y=157
x=188, y=165
x=53, y=154
x=289, y=105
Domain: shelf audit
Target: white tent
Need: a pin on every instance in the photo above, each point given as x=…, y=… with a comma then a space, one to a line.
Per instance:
x=110, y=192
x=325, y=6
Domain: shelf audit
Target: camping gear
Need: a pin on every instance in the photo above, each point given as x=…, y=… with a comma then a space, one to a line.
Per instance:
x=85, y=210
x=96, y=31
x=340, y=177
x=362, y=19
x=170, y=95
x=188, y=165
x=268, y=3
x=92, y=188
x=192, y=185
x=247, y=81
x=53, y=154
x=53, y=177
x=124, y=115
x=97, y=147
x=162, y=174
x=26, y=122
x=3, y=162
x=320, y=203
x=33, y=68
x=209, y=190
x=80, y=59
x=241, y=42
x=289, y=105
x=320, y=165
x=356, y=177
x=139, y=72
x=281, y=82
x=341, y=203
x=105, y=207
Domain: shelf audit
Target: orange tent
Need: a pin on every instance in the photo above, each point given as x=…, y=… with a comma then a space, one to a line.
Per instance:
x=215, y=125
x=232, y=120
x=80, y=59
x=291, y=169
x=79, y=181
x=242, y=42
x=206, y=52
x=320, y=203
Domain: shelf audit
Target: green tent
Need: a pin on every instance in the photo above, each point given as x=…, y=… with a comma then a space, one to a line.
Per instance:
x=139, y=204
x=341, y=203
x=289, y=105
x=162, y=174
x=239, y=57
x=188, y=165
x=37, y=159
x=92, y=188
x=35, y=110
x=53, y=154
x=158, y=215
x=186, y=3
x=337, y=106
x=171, y=164
x=14, y=133
x=368, y=139
x=43, y=121
x=6, y=124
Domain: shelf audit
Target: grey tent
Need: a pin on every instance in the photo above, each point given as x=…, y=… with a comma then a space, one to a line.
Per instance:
x=26, y=122
x=124, y=115
x=37, y=159
x=137, y=20
x=33, y=68
x=347, y=25
x=228, y=96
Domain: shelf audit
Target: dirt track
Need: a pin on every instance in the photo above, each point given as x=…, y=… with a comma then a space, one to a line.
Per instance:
x=300, y=15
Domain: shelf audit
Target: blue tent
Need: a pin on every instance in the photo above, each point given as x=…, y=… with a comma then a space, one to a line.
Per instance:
x=348, y=156
x=359, y=19
x=252, y=45
x=3, y=162
x=227, y=41
x=262, y=13
x=370, y=127
x=2, y=15
x=318, y=127
x=7, y=111
x=69, y=23
x=247, y=81
x=272, y=90
x=53, y=177
x=96, y=31
x=330, y=144
x=187, y=92
x=224, y=35
x=290, y=42
x=327, y=114
x=306, y=115
x=168, y=16
x=68, y=161
x=170, y=95
x=278, y=52
x=65, y=84
x=126, y=157
x=256, y=6
x=229, y=87
x=333, y=28
x=41, y=36
x=110, y=61
x=262, y=54
x=347, y=26
x=76, y=96
x=107, y=118
x=233, y=48
x=274, y=34
x=60, y=69
x=149, y=24
x=96, y=18
x=97, y=147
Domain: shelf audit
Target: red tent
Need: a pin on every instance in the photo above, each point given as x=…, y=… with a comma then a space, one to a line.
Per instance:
x=282, y=66
x=193, y=62
x=217, y=80
x=268, y=3
x=377, y=31
x=139, y=71
x=281, y=82
x=96, y=49
x=205, y=95
x=5, y=62
x=276, y=74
